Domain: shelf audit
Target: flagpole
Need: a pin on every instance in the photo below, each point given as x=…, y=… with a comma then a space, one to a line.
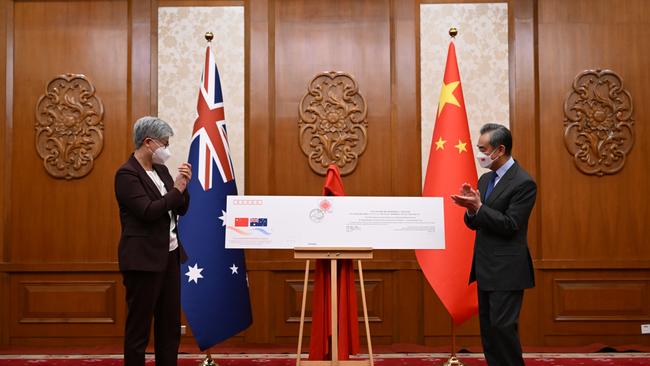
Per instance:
x=453, y=360
x=453, y=339
x=208, y=361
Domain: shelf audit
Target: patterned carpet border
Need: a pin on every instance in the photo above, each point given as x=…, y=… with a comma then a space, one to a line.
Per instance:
x=382, y=356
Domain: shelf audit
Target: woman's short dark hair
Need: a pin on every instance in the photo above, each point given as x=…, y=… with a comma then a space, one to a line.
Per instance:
x=499, y=135
x=151, y=127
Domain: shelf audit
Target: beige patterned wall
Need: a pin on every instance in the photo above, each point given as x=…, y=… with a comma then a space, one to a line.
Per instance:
x=482, y=53
x=181, y=55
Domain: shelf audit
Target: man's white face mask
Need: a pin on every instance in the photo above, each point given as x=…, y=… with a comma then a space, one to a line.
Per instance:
x=484, y=160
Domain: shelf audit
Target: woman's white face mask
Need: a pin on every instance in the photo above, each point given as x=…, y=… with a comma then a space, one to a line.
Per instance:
x=161, y=154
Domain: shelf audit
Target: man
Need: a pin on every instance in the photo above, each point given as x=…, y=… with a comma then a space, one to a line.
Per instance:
x=499, y=212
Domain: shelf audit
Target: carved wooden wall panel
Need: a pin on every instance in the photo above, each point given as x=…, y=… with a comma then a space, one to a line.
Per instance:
x=290, y=43
x=333, y=126
x=598, y=124
x=59, y=281
x=591, y=243
x=69, y=126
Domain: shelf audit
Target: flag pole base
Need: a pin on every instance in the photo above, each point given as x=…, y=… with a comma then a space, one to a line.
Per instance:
x=208, y=361
x=453, y=361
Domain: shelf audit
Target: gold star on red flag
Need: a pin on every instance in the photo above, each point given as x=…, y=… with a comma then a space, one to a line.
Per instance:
x=462, y=146
x=447, y=95
x=440, y=144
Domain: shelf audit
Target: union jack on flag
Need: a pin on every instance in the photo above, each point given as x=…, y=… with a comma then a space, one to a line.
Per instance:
x=210, y=127
x=214, y=284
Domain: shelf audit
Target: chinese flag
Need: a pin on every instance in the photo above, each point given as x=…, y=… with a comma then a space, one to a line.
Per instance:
x=451, y=163
x=241, y=221
x=348, y=324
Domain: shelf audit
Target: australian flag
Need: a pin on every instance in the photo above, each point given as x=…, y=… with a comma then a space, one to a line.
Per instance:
x=214, y=284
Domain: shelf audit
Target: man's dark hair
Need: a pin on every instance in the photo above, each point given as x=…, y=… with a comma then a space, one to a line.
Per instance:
x=499, y=135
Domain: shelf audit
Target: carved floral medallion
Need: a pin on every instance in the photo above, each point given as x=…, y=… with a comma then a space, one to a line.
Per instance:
x=333, y=122
x=69, y=126
x=598, y=124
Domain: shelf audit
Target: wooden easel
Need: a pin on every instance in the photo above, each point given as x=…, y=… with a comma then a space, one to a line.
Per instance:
x=333, y=254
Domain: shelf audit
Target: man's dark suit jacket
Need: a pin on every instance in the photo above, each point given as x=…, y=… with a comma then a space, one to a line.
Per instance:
x=502, y=261
x=144, y=243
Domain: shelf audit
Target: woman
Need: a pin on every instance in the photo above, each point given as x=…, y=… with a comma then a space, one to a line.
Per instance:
x=149, y=251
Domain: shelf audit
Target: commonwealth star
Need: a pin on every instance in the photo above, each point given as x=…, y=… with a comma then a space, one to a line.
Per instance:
x=194, y=273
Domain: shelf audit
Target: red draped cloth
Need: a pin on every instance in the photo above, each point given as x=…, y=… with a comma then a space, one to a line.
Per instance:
x=348, y=325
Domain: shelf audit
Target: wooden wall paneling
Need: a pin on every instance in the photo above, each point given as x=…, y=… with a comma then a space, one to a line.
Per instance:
x=524, y=108
x=310, y=38
x=263, y=302
x=593, y=230
x=405, y=158
x=260, y=86
x=587, y=234
x=591, y=218
x=260, y=116
x=437, y=325
x=407, y=305
x=5, y=316
x=57, y=230
x=5, y=112
x=601, y=299
x=6, y=98
x=67, y=211
x=259, y=120
x=52, y=309
x=405, y=108
x=286, y=288
x=587, y=306
x=257, y=60
x=141, y=92
x=381, y=290
x=298, y=39
x=523, y=95
x=38, y=301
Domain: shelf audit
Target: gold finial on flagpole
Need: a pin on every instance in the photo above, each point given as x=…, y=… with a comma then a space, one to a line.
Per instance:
x=209, y=36
x=453, y=32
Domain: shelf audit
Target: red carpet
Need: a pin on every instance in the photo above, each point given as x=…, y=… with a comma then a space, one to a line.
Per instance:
x=604, y=359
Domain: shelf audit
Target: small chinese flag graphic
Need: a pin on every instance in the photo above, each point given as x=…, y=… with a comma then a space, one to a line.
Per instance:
x=241, y=221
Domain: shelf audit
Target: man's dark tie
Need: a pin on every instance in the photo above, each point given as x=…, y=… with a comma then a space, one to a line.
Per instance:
x=490, y=185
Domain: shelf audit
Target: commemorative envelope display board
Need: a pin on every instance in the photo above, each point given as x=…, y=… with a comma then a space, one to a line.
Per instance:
x=287, y=222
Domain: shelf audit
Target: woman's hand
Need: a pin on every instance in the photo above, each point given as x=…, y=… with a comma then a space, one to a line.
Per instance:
x=183, y=177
